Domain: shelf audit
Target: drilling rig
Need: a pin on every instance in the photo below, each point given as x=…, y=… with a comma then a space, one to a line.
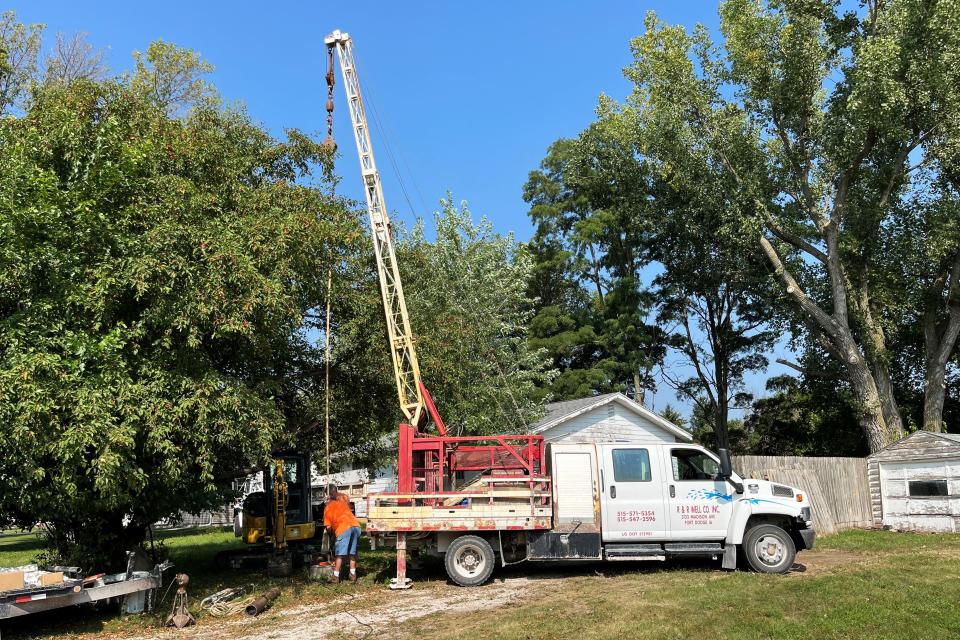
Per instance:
x=427, y=465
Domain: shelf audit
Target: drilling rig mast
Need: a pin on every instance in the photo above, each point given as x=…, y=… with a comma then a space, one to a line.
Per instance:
x=414, y=399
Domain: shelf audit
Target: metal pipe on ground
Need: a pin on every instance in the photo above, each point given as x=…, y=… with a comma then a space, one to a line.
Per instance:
x=257, y=607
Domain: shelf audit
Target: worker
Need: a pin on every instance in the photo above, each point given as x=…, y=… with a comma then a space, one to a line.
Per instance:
x=343, y=527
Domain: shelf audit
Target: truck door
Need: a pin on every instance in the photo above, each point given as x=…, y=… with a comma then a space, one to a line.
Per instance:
x=632, y=498
x=700, y=501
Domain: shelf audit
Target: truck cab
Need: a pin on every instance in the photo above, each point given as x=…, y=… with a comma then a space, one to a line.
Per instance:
x=650, y=501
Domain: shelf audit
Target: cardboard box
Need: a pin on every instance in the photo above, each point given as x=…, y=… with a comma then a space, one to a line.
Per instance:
x=50, y=578
x=11, y=580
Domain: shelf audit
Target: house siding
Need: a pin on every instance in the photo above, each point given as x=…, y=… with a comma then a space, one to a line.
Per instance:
x=608, y=423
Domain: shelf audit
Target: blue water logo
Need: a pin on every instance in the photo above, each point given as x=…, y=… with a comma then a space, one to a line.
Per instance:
x=703, y=494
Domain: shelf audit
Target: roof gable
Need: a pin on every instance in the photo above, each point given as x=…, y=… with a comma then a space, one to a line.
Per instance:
x=560, y=412
x=923, y=443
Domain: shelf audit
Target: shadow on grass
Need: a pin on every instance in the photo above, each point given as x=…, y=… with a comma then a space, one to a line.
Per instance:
x=20, y=542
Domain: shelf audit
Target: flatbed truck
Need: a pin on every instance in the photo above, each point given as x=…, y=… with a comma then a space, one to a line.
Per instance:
x=611, y=501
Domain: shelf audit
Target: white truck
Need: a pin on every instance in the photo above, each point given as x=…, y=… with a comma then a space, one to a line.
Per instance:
x=603, y=501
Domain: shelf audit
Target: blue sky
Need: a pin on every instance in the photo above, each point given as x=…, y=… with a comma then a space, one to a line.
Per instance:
x=469, y=94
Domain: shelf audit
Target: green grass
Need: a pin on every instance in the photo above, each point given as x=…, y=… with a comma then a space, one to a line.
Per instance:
x=860, y=584
x=18, y=548
x=870, y=585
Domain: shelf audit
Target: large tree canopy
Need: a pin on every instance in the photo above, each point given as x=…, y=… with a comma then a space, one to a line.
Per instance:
x=154, y=276
x=841, y=129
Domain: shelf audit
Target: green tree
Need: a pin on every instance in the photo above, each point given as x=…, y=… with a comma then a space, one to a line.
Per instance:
x=830, y=123
x=674, y=416
x=470, y=311
x=19, y=54
x=172, y=77
x=155, y=274
x=589, y=201
x=815, y=416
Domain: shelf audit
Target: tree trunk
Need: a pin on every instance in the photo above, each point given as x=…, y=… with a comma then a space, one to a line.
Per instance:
x=875, y=428
x=934, y=392
x=637, y=391
x=940, y=340
x=940, y=336
x=720, y=426
x=888, y=401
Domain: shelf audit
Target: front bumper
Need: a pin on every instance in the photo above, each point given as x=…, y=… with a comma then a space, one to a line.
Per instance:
x=807, y=538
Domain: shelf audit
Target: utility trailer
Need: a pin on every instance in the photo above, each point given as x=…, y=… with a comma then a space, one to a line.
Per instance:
x=133, y=588
x=585, y=501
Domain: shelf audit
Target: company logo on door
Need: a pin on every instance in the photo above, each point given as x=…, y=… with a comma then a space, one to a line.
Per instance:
x=701, y=514
x=703, y=494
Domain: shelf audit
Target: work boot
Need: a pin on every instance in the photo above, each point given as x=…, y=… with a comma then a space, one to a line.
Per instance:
x=353, y=578
x=334, y=580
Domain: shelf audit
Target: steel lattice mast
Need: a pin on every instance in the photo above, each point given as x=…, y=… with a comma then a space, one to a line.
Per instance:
x=399, y=332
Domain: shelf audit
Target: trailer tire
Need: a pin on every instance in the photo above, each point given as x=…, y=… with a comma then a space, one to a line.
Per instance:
x=769, y=549
x=469, y=561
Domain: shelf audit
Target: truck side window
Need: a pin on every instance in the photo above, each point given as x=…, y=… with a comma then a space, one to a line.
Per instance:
x=631, y=465
x=692, y=464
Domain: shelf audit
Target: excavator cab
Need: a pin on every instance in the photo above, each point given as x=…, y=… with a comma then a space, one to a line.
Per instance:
x=260, y=508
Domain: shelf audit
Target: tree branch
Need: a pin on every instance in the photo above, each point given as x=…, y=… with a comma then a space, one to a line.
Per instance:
x=796, y=241
x=692, y=354
x=794, y=290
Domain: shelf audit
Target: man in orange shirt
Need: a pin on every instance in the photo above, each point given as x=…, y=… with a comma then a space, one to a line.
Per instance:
x=342, y=525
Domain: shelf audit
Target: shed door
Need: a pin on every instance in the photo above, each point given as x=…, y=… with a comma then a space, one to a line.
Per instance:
x=921, y=494
x=573, y=475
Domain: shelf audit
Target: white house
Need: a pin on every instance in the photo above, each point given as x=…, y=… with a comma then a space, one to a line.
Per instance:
x=611, y=417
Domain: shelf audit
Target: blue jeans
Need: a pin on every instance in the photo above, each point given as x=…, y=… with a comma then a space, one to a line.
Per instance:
x=346, y=544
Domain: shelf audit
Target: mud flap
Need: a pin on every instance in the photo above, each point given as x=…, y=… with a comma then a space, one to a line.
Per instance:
x=729, y=556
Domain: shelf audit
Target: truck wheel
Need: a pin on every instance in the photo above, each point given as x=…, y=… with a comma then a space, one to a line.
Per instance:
x=769, y=549
x=469, y=561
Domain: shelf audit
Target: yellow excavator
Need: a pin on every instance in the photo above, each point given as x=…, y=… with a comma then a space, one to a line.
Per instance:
x=278, y=523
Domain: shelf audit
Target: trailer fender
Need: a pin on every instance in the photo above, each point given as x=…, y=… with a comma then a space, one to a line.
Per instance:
x=744, y=508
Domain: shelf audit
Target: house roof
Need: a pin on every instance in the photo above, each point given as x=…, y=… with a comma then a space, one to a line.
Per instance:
x=558, y=412
x=916, y=439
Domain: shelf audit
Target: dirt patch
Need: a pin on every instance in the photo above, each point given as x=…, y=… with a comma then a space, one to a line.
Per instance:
x=826, y=561
x=380, y=613
x=371, y=614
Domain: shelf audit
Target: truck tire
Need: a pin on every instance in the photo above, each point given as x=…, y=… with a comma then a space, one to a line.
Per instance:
x=769, y=549
x=469, y=561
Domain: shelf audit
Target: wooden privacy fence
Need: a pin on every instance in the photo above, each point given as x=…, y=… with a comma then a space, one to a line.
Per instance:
x=836, y=487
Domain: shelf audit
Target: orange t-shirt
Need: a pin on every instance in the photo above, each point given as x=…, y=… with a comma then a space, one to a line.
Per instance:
x=337, y=514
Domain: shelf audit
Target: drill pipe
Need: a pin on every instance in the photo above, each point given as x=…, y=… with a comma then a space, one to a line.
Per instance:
x=256, y=607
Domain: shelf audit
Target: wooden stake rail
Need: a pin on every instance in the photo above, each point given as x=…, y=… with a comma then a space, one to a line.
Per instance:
x=513, y=509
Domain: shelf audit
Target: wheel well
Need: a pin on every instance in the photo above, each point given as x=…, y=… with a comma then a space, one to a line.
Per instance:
x=781, y=521
x=768, y=518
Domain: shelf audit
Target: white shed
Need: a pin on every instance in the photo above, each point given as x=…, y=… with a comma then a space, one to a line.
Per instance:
x=606, y=418
x=915, y=483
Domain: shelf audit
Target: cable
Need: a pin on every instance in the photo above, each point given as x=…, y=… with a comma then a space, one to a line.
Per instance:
x=365, y=88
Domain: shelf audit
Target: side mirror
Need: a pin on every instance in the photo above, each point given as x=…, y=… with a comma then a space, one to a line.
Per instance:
x=726, y=470
x=726, y=466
